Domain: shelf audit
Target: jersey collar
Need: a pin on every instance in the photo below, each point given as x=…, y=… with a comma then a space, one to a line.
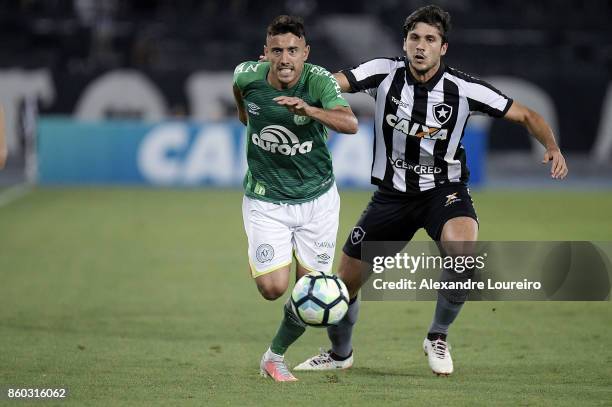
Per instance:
x=300, y=79
x=431, y=83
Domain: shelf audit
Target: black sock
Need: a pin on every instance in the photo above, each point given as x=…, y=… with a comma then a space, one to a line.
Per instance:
x=341, y=335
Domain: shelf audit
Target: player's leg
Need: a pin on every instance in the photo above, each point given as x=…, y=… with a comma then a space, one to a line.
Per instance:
x=291, y=327
x=270, y=255
x=316, y=239
x=340, y=356
x=273, y=284
x=457, y=234
x=273, y=363
x=454, y=225
x=376, y=224
x=269, y=246
x=315, y=236
x=351, y=272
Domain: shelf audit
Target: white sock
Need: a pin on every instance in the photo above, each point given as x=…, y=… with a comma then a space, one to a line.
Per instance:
x=273, y=356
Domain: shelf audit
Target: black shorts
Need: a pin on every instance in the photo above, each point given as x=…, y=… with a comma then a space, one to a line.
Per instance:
x=392, y=216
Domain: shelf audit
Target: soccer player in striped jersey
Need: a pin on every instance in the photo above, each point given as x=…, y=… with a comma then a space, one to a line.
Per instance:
x=419, y=166
x=291, y=204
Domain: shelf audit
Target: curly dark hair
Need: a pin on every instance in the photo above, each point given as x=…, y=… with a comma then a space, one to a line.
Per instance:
x=432, y=15
x=287, y=24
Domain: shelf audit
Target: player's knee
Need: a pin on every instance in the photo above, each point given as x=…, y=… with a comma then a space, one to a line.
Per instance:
x=274, y=284
x=349, y=272
x=458, y=235
x=461, y=229
x=271, y=291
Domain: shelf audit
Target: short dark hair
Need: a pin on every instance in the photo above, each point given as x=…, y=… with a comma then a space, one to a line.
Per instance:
x=287, y=24
x=432, y=15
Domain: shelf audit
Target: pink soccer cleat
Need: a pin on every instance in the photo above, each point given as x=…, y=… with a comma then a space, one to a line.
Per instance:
x=274, y=365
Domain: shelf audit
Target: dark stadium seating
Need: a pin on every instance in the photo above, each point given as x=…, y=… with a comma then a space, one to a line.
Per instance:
x=489, y=37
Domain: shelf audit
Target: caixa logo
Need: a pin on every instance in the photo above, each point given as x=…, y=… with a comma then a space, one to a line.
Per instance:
x=180, y=154
x=417, y=129
x=280, y=140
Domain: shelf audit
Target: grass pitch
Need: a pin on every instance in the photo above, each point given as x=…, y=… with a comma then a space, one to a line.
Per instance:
x=143, y=297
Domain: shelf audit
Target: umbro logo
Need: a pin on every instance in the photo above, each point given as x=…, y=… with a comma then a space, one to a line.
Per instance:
x=253, y=108
x=323, y=258
x=442, y=112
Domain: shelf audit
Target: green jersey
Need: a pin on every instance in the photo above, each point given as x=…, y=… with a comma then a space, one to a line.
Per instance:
x=287, y=155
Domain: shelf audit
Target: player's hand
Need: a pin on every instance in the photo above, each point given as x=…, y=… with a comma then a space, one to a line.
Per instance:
x=294, y=105
x=262, y=58
x=558, y=169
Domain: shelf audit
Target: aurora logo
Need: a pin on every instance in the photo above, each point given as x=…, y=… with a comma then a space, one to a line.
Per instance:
x=278, y=139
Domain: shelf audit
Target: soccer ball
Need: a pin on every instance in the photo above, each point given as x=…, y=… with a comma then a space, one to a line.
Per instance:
x=320, y=299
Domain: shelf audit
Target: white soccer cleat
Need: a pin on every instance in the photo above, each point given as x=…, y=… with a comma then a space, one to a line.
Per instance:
x=274, y=366
x=324, y=361
x=438, y=354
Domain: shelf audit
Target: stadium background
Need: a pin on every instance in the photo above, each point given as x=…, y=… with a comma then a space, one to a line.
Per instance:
x=138, y=295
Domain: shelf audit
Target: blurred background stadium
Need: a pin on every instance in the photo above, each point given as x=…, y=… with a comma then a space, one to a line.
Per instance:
x=141, y=296
x=160, y=60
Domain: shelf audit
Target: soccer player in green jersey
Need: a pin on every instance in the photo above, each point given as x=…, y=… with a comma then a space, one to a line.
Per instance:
x=291, y=204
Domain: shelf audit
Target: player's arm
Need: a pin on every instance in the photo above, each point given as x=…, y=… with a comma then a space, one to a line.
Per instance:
x=343, y=81
x=3, y=148
x=338, y=118
x=537, y=126
x=365, y=77
x=242, y=114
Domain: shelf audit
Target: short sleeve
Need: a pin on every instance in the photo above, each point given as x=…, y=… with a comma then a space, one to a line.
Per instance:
x=484, y=98
x=368, y=75
x=326, y=89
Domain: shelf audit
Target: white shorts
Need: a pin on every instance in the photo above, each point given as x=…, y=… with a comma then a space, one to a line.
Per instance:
x=275, y=231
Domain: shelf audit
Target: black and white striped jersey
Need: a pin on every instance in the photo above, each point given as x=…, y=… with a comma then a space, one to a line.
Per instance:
x=418, y=127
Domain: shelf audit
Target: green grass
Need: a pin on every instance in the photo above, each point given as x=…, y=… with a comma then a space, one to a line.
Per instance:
x=143, y=297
